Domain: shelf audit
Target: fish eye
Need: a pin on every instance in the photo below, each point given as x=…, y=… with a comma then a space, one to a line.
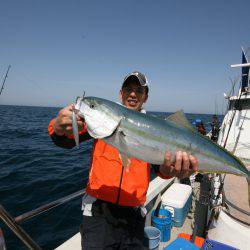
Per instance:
x=92, y=105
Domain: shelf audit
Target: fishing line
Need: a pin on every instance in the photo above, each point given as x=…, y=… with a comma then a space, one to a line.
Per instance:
x=231, y=122
x=6, y=75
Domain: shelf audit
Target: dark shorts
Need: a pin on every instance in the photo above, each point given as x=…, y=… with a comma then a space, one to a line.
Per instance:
x=112, y=227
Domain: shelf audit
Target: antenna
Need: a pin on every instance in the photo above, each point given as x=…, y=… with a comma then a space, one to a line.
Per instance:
x=4, y=80
x=233, y=83
x=241, y=65
x=216, y=106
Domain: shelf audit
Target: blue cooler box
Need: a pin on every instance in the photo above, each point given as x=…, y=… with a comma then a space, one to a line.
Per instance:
x=215, y=245
x=177, y=199
x=181, y=244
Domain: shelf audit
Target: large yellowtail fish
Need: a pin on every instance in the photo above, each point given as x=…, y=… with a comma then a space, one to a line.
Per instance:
x=148, y=138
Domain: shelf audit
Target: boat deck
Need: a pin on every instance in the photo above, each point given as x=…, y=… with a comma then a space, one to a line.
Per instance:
x=175, y=231
x=236, y=193
x=188, y=224
x=75, y=241
x=156, y=186
x=232, y=186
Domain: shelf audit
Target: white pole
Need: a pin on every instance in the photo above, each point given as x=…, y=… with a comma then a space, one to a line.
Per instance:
x=240, y=65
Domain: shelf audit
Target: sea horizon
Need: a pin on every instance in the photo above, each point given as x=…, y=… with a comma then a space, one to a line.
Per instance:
x=153, y=111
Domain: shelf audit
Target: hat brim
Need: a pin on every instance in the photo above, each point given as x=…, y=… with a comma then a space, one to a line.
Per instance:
x=142, y=83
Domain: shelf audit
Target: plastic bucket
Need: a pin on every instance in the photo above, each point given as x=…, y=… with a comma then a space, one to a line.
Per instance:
x=163, y=223
x=152, y=236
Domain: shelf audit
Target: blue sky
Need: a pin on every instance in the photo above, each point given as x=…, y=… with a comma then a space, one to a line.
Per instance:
x=59, y=49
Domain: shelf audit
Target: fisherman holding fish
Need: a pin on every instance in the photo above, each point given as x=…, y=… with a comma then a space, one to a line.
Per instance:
x=113, y=212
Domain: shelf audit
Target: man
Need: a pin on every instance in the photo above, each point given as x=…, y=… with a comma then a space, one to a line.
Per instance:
x=200, y=126
x=112, y=213
x=215, y=128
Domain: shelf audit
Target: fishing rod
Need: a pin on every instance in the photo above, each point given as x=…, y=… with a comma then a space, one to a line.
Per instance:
x=236, y=103
x=6, y=75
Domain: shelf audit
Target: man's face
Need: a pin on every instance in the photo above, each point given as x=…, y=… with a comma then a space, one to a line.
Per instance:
x=133, y=95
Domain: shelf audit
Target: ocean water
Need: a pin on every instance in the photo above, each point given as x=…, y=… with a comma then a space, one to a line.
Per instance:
x=34, y=171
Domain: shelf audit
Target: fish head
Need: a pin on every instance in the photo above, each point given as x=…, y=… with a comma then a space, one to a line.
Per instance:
x=101, y=116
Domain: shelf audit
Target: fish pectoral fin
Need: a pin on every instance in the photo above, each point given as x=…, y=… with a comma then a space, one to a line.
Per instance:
x=126, y=161
x=180, y=119
x=126, y=139
x=75, y=128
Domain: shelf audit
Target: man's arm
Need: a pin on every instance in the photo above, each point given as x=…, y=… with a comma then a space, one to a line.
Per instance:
x=60, y=129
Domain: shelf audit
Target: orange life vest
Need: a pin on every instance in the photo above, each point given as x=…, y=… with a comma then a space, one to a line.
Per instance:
x=109, y=180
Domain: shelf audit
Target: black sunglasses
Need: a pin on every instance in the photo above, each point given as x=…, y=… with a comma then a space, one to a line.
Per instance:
x=139, y=89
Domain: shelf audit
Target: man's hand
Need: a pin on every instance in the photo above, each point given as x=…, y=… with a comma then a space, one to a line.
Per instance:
x=63, y=122
x=183, y=167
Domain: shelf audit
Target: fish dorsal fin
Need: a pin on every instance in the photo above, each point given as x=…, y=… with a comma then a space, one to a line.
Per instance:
x=180, y=119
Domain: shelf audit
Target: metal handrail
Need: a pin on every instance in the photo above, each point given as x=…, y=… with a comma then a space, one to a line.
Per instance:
x=14, y=227
x=236, y=207
x=48, y=206
x=12, y=223
x=2, y=241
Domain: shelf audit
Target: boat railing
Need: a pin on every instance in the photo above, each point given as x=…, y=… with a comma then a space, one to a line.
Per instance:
x=48, y=206
x=156, y=186
x=13, y=223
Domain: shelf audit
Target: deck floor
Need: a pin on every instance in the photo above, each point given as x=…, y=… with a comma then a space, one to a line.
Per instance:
x=236, y=192
x=75, y=242
x=186, y=228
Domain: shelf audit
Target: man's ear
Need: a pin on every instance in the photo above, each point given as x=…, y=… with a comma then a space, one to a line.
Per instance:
x=120, y=95
x=146, y=98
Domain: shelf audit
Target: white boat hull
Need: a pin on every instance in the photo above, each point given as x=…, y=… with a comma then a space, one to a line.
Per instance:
x=229, y=231
x=238, y=139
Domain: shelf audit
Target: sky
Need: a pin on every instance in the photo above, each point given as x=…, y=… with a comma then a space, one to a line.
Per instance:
x=59, y=49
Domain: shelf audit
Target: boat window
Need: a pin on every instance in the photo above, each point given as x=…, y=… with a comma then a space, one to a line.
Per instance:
x=239, y=104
